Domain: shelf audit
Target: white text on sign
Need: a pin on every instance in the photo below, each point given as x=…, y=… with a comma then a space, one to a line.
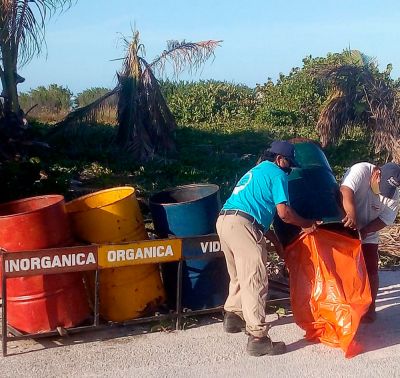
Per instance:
x=139, y=253
x=49, y=262
x=210, y=246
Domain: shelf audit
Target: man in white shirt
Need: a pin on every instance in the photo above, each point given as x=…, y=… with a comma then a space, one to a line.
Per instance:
x=371, y=201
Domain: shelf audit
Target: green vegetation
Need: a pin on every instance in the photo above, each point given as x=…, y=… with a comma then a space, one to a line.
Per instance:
x=222, y=127
x=210, y=101
x=87, y=96
x=205, y=153
x=49, y=104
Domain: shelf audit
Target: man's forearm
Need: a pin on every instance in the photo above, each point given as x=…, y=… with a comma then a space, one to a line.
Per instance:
x=348, y=200
x=289, y=215
x=374, y=226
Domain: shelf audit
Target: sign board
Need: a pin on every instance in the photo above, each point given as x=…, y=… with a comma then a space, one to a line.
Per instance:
x=48, y=261
x=90, y=257
x=206, y=246
x=143, y=252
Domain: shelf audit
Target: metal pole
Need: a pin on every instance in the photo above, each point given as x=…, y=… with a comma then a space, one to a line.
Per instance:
x=4, y=338
x=96, y=298
x=179, y=295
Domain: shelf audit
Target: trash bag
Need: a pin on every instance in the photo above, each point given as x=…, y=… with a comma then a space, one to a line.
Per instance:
x=329, y=288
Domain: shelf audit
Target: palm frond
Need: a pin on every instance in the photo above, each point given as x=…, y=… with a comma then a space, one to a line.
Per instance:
x=86, y=115
x=144, y=119
x=395, y=149
x=131, y=65
x=334, y=118
x=359, y=95
x=162, y=122
x=384, y=115
x=182, y=55
x=338, y=112
x=145, y=123
x=130, y=126
x=23, y=25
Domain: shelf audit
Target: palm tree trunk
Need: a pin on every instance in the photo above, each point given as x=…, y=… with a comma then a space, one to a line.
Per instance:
x=8, y=79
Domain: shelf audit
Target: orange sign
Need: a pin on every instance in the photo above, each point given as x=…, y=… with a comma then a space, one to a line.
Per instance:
x=143, y=252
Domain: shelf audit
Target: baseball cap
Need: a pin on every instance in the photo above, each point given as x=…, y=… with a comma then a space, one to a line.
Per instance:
x=284, y=148
x=390, y=179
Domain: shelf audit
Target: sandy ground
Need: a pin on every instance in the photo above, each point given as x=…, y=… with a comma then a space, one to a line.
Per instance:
x=205, y=350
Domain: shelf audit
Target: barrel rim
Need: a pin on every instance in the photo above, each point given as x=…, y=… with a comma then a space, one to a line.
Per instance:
x=181, y=187
x=84, y=197
x=316, y=146
x=60, y=200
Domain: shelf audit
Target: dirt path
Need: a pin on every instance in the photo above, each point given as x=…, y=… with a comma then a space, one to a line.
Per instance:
x=206, y=350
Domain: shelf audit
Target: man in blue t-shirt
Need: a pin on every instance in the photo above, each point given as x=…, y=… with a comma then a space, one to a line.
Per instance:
x=242, y=226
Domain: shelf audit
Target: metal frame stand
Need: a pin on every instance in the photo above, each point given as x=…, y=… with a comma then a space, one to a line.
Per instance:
x=188, y=249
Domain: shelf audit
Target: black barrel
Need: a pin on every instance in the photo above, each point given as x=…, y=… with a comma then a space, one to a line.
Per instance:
x=313, y=192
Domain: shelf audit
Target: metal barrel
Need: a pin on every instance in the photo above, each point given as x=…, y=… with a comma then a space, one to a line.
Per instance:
x=113, y=216
x=313, y=192
x=191, y=210
x=41, y=303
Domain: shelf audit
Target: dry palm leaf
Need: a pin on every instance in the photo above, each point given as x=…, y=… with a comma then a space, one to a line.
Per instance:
x=361, y=95
x=389, y=240
x=145, y=123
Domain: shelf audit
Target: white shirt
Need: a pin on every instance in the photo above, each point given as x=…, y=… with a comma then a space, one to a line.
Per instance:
x=369, y=205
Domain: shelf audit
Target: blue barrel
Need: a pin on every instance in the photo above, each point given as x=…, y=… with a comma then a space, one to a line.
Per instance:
x=191, y=210
x=313, y=192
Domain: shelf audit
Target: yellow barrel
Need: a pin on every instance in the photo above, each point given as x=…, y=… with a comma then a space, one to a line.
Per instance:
x=113, y=216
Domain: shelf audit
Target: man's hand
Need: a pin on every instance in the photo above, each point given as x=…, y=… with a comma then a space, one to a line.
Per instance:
x=350, y=221
x=311, y=229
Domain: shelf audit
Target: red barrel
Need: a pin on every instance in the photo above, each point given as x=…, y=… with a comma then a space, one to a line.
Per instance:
x=43, y=302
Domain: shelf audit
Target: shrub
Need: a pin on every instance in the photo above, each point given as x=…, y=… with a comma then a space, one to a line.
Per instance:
x=53, y=102
x=89, y=95
x=209, y=101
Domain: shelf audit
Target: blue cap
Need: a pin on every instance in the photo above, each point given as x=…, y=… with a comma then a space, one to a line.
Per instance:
x=284, y=148
x=390, y=179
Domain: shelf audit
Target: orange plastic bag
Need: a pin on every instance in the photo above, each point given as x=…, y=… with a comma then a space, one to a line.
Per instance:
x=329, y=288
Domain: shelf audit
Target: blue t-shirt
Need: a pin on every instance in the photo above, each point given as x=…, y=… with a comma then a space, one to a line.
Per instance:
x=259, y=191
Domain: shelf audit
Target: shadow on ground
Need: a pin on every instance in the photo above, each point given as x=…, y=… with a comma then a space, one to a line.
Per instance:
x=110, y=334
x=385, y=331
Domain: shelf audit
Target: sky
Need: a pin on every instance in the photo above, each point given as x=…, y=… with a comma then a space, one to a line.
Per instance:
x=261, y=38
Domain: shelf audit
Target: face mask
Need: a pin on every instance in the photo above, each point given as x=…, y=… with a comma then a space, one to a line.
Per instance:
x=375, y=187
x=287, y=170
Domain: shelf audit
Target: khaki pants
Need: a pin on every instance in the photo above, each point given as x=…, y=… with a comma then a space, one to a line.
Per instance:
x=244, y=247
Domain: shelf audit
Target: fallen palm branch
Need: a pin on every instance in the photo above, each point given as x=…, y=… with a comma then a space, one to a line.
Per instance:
x=359, y=95
x=145, y=123
x=390, y=241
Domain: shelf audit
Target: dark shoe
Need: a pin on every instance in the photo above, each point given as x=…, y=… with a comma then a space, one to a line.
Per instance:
x=259, y=346
x=233, y=323
x=369, y=316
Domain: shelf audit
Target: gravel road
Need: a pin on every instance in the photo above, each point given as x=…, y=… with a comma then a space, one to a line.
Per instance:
x=204, y=350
